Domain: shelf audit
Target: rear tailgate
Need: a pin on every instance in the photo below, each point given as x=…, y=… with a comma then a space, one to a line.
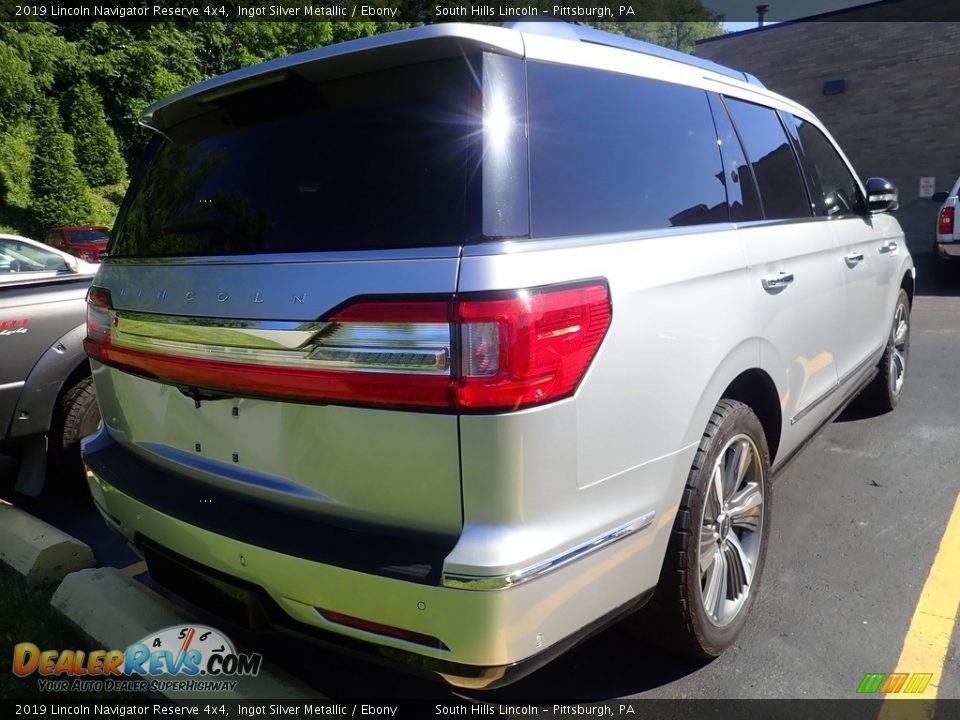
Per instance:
x=379, y=467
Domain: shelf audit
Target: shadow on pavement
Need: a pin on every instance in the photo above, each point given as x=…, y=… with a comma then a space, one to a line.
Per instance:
x=66, y=504
x=609, y=665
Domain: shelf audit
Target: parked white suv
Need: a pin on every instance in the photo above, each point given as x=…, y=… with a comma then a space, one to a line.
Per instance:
x=453, y=345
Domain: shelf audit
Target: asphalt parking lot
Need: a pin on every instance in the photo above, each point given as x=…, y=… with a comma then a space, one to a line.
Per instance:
x=857, y=522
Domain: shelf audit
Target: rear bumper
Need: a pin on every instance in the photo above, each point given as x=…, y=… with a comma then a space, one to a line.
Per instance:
x=259, y=611
x=947, y=249
x=469, y=637
x=408, y=556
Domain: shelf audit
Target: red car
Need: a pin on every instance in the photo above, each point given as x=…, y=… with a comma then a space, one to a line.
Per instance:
x=87, y=242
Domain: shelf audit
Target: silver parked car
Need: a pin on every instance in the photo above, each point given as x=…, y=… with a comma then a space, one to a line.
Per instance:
x=455, y=344
x=46, y=394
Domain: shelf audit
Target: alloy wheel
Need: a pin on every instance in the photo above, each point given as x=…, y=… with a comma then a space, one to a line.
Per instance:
x=730, y=530
x=900, y=335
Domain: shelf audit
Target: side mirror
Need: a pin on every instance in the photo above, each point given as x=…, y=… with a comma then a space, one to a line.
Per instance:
x=940, y=197
x=882, y=195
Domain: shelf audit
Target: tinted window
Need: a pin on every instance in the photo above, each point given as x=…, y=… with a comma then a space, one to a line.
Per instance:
x=836, y=190
x=87, y=236
x=741, y=187
x=774, y=164
x=386, y=159
x=611, y=152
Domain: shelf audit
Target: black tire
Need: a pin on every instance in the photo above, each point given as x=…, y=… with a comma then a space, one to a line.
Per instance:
x=883, y=394
x=676, y=617
x=77, y=415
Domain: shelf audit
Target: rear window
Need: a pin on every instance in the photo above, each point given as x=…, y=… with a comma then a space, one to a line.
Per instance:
x=389, y=159
x=87, y=236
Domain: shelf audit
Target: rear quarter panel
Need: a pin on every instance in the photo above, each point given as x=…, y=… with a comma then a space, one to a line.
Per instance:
x=544, y=479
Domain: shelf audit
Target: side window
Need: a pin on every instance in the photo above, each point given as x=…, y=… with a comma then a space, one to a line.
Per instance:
x=613, y=153
x=19, y=257
x=738, y=177
x=774, y=164
x=838, y=190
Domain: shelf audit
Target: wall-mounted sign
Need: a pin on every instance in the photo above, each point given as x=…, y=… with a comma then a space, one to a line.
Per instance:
x=927, y=186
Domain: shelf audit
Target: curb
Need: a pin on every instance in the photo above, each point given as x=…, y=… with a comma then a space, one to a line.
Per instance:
x=115, y=611
x=39, y=552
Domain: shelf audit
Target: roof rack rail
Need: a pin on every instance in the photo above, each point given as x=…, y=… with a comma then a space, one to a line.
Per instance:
x=573, y=31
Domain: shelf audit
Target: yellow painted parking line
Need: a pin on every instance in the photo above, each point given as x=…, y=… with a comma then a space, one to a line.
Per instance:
x=928, y=639
x=136, y=569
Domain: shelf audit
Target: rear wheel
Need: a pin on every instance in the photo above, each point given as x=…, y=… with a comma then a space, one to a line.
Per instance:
x=716, y=551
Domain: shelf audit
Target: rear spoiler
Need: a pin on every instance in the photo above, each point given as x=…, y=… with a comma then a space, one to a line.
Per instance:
x=421, y=44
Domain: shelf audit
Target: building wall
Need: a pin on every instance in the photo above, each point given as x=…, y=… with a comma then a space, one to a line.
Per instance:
x=899, y=115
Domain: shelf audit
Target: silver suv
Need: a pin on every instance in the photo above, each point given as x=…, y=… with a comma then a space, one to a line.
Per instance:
x=453, y=345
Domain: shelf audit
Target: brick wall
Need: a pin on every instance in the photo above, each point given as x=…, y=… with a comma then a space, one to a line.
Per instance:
x=899, y=115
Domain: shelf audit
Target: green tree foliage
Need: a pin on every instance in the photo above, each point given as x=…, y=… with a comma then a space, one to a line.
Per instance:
x=680, y=36
x=16, y=87
x=49, y=55
x=134, y=66
x=16, y=150
x=255, y=42
x=58, y=192
x=95, y=145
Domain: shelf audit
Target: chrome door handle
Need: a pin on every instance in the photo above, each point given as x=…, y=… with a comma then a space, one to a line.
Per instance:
x=853, y=259
x=776, y=282
x=890, y=247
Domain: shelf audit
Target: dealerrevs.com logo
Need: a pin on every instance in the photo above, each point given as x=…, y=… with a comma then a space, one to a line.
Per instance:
x=188, y=658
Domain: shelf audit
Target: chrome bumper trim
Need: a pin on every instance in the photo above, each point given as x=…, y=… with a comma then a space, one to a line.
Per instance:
x=500, y=582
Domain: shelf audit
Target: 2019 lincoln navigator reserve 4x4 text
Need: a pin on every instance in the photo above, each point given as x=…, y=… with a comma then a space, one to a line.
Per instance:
x=454, y=344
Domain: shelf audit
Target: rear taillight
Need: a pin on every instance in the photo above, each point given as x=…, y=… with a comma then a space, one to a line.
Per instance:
x=945, y=223
x=473, y=353
x=527, y=347
x=100, y=316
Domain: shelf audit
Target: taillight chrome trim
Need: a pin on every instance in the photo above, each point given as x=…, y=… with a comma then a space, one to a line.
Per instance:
x=462, y=581
x=411, y=348
x=267, y=334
